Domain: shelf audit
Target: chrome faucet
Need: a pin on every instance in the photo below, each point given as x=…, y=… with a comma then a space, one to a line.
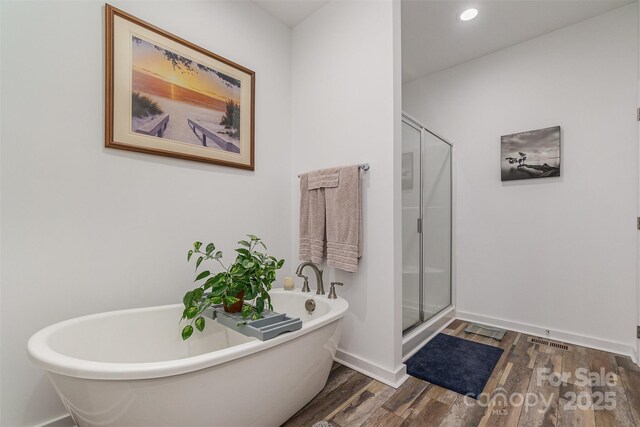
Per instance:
x=319, y=284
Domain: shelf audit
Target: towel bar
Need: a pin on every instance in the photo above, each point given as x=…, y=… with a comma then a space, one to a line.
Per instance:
x=364, y=166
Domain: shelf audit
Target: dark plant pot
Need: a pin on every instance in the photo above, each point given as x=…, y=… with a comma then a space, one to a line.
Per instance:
x=237, y=307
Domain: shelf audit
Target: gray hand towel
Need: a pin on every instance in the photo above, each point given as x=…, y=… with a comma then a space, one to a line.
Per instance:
x=344, y=220
x=331, y=217
x=317, y=219
x=312, y=218
x=319, y=182
x=305, y=241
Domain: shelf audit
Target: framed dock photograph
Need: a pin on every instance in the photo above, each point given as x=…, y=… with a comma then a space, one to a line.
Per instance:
x=531, y=154
x=167, y=96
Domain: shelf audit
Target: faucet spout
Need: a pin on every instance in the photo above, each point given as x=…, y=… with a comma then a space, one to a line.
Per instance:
x=319, y=283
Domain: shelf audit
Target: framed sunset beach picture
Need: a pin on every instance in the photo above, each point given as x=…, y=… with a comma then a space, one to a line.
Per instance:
x=167, y=96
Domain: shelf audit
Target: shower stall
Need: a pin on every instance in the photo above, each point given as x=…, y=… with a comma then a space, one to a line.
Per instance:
x=426, y=224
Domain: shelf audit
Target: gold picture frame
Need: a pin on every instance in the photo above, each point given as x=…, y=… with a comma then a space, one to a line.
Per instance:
x=170, y=97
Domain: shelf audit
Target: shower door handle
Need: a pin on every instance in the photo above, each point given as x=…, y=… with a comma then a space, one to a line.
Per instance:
x=419, y=225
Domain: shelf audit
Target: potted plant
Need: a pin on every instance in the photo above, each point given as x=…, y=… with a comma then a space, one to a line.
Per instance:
x=249, y=278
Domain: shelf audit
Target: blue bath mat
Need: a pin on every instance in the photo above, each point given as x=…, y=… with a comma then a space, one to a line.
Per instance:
x=454, y=363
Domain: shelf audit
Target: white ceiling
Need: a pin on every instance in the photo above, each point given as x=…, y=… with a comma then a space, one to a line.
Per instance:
x=433, y=38
x=290, y=12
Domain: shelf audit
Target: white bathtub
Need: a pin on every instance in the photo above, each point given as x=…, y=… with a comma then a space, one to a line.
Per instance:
x=131, y=367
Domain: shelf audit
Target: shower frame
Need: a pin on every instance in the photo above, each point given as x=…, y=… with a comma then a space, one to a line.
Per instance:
x=411, y=121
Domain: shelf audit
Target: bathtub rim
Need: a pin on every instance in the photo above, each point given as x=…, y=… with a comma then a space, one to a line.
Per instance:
x=41, y=354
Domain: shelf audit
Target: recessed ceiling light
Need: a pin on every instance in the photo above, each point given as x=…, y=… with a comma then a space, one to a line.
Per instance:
x=468, y=14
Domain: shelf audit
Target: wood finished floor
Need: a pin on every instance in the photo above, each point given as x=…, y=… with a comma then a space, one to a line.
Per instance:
x=353, y=399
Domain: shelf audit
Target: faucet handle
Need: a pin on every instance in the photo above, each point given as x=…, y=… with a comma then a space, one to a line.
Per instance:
x=332, y=290
x=305, y=287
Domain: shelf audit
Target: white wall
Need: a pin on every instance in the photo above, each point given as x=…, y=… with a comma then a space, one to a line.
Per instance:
x=345, y=110
x=556, y=253
x=1, y=84
x=93, y=229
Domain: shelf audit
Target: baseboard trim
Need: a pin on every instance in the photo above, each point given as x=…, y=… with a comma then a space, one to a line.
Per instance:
x=370, y=369
x=564, y=336
x=61, y=421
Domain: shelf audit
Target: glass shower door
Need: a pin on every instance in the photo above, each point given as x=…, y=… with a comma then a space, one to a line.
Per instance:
x=426, y=224
x=411, y=252
x=436, y=224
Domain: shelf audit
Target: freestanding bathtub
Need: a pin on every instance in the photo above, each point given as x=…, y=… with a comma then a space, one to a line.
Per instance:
x=131, y=367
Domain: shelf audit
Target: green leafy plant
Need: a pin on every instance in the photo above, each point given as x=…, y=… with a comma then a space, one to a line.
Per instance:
x=252, y=273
